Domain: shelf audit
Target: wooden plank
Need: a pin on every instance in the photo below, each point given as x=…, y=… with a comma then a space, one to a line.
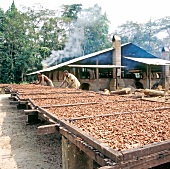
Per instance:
x=64, y=105
x=13, y=94
x=101, y=115
x=58, y=97
x=32, y=105
x=42, y=93
x=46, y=118
x=14, y=102
x=30, y=112
x=146, y=150
x=12, y=98
x=149, y=161
x=89, y=150
x=48, y=129
x=23, y=102
x=110, y=167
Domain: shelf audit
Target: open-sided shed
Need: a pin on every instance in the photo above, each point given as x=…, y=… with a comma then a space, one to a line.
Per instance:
x=116, y=67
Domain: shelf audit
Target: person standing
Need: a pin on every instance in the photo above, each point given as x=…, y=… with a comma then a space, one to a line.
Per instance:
x=70, y=80
x=42, y=79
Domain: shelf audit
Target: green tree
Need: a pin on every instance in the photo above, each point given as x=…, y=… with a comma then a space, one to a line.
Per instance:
x=163, y=28
x=18, y=48
x=143, y=35
x=96, y=29
x=86, y=32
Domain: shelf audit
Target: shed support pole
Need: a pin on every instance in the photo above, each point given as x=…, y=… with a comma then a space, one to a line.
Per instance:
x=32, y=118
x=149, y=77
x=97, y=73
x=116, y=79
x=147, y=80
x=78, y=73
x=73, y=157
x=164, y=74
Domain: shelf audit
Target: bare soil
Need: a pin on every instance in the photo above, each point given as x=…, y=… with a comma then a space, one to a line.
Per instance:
x=20, y=146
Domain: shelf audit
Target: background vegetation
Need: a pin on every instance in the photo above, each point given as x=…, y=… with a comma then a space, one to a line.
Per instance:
x=37, y=35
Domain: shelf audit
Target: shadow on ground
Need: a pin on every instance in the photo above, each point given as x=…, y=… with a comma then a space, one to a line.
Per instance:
x=20, y=146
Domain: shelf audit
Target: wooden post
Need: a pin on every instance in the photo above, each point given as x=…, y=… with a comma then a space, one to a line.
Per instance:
x=32, y=117
x=116, y=79
x=48, y=129
x=147, y=76
x=73, y=157
x=78, y=73
x=97, y=69
x=55, y=78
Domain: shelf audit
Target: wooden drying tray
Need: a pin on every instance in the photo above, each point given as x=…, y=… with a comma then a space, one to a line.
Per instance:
x=33, y=105
x=148, y=155
x=115, y=113
x=86, y=145
x=16, y=98
x=56, y=97
x=18, y=95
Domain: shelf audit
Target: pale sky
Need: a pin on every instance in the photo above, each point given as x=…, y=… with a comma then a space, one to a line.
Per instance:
x=118, y=12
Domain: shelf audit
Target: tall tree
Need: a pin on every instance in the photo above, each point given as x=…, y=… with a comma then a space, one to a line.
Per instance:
x=143, y=35
x=96, y=30
x=17, y=45
x=86, y=32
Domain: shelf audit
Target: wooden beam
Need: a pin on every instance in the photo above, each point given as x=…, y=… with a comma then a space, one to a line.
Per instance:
x=23, y=102
x=46, y=118
x=64, y=105
x=48, y=129
x=14, y=102
x=101, y=115
x=149, y=161
x=146, y=150
x=85, y=147
x=12, y=98
x=30, y=112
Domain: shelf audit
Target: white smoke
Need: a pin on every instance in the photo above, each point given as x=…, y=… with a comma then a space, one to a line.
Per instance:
x=73, y=47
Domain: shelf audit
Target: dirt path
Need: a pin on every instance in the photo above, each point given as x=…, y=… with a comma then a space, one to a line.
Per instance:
x=20, y=146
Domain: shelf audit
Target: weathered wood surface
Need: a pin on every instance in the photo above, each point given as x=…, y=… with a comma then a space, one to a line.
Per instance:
x=102, y=147
x=85, y=147
x=48, y=129
x=150, y=92
x=145, y=162
x=30, y=112
x=121, y=92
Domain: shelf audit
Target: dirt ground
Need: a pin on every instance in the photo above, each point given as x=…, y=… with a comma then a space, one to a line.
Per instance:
x=20, y=146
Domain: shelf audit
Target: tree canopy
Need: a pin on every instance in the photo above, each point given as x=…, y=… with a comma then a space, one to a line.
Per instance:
x=38, y=36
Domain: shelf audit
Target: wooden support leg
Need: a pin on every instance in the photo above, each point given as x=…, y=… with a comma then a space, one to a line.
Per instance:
x=22, y=105
x=73, y=157
x=32, y=118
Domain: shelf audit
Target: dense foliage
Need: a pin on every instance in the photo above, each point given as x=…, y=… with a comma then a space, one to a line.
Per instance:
x=36, y=34
x=151, y=36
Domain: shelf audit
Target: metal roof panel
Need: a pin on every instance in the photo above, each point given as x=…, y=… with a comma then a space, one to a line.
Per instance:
x=150, y=61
